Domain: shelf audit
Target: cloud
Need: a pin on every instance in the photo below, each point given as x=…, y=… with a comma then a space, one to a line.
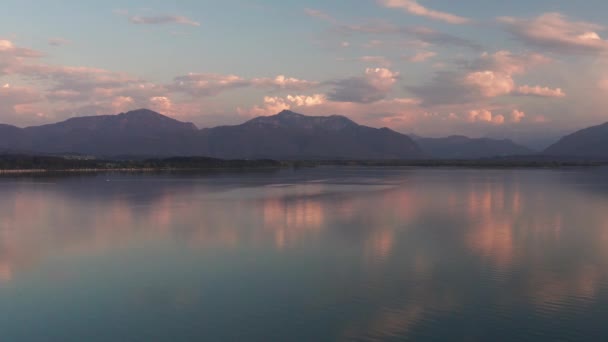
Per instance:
x=507, y=62
x=284, y=82
x=540, y=91
x=85, y=80
x=161, y=104
x=58, y=41
x=517, y=115
x=380, y=113
x=122, y=103
x=489, y=76
x=9, y=50
x=163, y=19
x=553, y=31
x=484, y=115
x=319, y=15
x=207, y=84
x=421, y=56
x=490, y=83
x=421, y=34
x=373, y=86
x=213, y=84
x=376, y=60
x=13, y=58
x=413, y=7
x=14, y=101
x=275, y=104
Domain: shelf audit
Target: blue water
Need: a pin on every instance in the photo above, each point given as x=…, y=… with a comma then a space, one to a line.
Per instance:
x=322, y=254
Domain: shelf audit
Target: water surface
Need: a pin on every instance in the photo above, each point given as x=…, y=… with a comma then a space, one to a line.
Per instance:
x=317, y=254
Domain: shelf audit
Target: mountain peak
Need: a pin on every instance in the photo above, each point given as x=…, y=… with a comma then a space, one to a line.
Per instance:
x=288, y=113
x=143, y=113
x=287, y=118
x=147, y=116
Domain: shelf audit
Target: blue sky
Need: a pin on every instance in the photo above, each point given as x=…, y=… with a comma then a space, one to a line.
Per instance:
x=528, y=70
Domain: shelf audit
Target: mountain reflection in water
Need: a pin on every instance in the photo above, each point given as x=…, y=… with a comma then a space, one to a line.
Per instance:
x=311, y=254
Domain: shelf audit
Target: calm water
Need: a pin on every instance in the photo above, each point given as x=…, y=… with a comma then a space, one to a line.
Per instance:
x=311, y=255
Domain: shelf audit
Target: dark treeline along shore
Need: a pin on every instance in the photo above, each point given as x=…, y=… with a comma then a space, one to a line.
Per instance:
x=25, y=163
x=13, y=163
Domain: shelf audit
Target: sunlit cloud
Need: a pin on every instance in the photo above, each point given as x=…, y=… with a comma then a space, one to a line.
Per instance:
x=373, y=86
x=553, y=31
x=540, y=91
x=421, y=56
x=315, y=13
x=274, y=104
x=413, y=7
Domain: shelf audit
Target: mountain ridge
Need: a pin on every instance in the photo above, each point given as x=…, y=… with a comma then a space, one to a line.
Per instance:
x=286, y=135
x=589, y=142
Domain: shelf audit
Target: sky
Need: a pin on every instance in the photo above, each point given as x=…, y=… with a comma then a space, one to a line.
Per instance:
x=526, y=70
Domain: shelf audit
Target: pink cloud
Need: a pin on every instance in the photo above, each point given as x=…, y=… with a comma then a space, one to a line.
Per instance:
x=284, y=82
x=490, y=83
x=555, y=32
x=540, y=91
x=421, y=56
x=517, y=116
x=275, y=104
x=214, y=84
x=485, y=115
x=413, y=7
x=319, y=15
x=373, y=86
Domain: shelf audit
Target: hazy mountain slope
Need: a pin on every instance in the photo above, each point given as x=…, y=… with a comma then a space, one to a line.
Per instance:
x=461, y=147
x=290, y=135
x=590, y=142
x=141, y=132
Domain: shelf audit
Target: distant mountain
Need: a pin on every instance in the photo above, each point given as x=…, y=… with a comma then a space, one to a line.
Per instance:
x=289, y=135
x=590, y=142
x=286, y=135
x=11, y=138
x=140, y=132
x=461, y=147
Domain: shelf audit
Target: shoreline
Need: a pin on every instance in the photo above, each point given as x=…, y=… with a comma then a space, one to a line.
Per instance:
x=303, y=164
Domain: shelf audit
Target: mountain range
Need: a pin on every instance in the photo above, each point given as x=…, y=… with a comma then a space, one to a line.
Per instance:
x=286, y=135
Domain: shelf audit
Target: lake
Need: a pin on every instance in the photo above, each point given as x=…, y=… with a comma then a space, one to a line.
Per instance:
x=319, y=254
